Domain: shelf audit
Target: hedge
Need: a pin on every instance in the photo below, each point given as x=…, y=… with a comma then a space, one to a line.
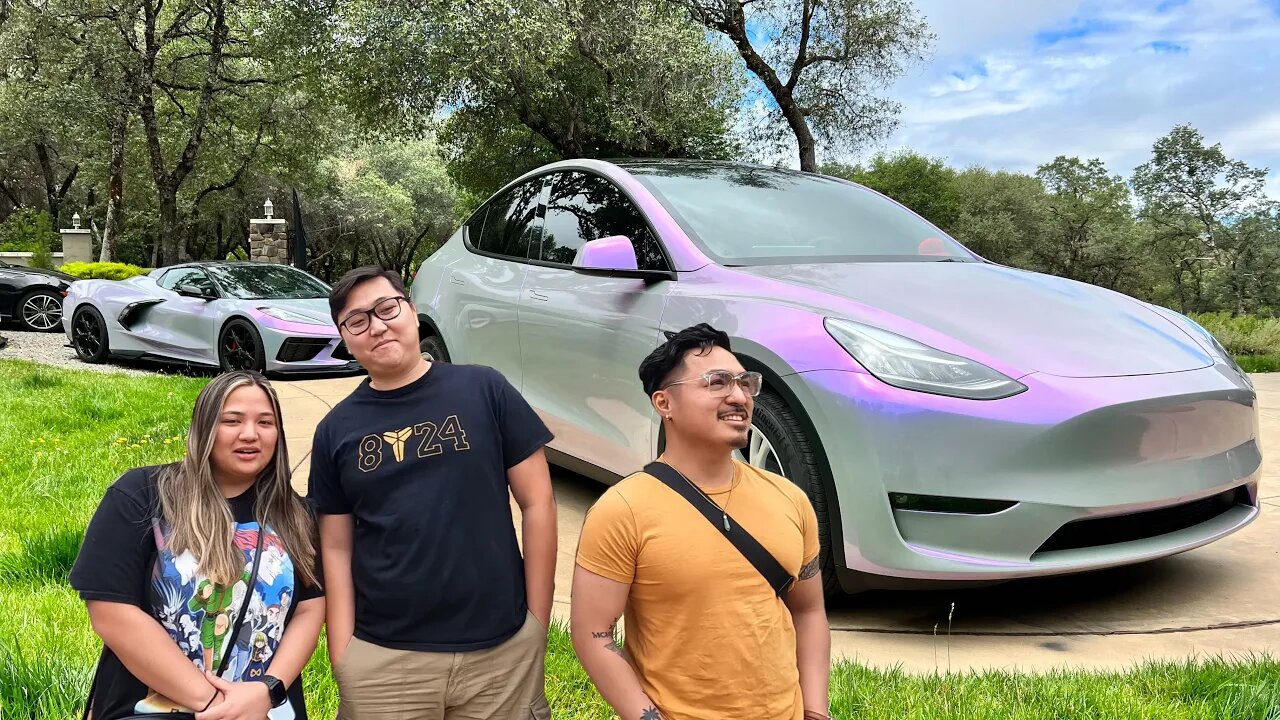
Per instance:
x=102, y=270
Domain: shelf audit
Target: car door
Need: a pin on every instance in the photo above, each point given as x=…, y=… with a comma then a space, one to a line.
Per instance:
x=481, y=293
x=182, y=326
x=582, y=336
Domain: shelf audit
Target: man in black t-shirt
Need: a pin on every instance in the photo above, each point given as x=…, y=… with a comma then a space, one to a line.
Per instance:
x=432, y=611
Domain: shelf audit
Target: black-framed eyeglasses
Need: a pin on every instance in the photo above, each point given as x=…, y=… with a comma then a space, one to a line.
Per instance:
x=721, y=382
x=359, y=320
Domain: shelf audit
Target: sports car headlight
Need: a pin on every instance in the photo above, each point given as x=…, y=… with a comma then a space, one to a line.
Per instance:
x=289, y=316
x=907, y=364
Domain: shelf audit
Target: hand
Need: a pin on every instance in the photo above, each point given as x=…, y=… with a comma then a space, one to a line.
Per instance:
x=240, y=701
x=336, y=652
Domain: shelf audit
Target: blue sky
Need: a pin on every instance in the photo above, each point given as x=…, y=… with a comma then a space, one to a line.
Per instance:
x=1013, y=83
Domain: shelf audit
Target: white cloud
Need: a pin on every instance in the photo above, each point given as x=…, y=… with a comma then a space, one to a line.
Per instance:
x=1012, y=84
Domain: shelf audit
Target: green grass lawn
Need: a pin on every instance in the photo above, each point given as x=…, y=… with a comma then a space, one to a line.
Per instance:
x=65, y=435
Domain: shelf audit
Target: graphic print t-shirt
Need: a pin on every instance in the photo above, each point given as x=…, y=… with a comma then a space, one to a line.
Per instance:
x=423, y=471
x=126, y=558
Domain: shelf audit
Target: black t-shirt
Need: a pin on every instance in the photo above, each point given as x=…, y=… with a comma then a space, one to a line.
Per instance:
x=422, y=469
x=125, y=558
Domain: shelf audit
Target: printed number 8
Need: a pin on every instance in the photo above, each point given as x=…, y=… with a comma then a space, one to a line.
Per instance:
x=370, y=453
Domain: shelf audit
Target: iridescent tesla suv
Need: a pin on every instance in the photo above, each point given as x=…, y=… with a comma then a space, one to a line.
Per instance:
x=951, y=419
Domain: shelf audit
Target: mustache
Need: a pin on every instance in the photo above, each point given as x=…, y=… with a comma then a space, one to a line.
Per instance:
x=736, y=408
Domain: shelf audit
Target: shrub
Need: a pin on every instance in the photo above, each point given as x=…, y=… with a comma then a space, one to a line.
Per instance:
x=1243, y=334
x=102, y=270
x=28, y=230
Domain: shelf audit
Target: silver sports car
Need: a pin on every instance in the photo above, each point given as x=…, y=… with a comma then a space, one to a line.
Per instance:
x=237, y=316
x=951, y=419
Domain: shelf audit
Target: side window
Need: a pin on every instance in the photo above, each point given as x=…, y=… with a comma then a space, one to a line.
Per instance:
x=586, y=207
x=191, y=276
x=509, y=224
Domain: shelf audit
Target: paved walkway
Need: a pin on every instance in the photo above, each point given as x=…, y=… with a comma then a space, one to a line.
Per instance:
x=1217, y=600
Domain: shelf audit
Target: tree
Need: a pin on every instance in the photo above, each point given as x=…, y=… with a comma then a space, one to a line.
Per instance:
x=821, y=62
x=1001, y=215
x=924, y=184
x=1198, y=202
x=1089, y=236
x=571, y=78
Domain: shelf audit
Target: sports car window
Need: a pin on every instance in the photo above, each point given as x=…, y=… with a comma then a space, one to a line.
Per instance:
x=190, y=276
x=510, y=222
x=586, y=207
x=260, y=281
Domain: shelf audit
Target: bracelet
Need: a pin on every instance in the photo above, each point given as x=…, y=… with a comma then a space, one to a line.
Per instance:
x=210, y=703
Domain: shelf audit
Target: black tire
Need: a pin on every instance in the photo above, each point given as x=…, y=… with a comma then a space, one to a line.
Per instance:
x=240, y=347
x=40, y=311
x=802, y=464
x=89, y=335
x=433, y=346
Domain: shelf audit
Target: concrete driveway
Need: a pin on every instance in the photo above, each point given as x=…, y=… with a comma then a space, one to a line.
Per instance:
x=1217, y=600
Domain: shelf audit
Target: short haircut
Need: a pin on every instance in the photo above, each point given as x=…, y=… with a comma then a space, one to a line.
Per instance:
x=669, y=356
x=347, y=283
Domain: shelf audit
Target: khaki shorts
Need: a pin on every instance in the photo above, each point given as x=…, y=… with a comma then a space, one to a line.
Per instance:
x=500, y=683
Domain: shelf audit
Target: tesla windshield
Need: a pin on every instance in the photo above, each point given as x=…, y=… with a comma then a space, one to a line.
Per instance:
x=745, y=215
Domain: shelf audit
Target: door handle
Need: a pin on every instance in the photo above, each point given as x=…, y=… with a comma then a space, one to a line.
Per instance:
x=535, y=295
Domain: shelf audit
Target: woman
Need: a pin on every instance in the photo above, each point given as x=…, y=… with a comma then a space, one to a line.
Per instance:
x=178, y=574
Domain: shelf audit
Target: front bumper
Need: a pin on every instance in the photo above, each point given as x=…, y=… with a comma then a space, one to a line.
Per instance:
x=297, y=348
x=1068, y=450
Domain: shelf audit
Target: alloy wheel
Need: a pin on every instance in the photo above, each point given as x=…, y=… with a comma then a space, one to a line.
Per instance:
x=86, y=334
x=42, y=312
x=240, y=348
x=760, y=453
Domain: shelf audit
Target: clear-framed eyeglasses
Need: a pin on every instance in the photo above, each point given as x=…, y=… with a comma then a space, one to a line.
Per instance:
x=721, y=382
x=386, y=309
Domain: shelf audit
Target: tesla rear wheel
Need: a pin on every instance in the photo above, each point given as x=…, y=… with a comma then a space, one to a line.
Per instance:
x=89, y=335
x=240, y=348
x=41, y=311
x=433, y=349
x=779, y=443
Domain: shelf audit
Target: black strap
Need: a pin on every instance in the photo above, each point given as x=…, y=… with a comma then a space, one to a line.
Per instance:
x=774, y=574
x=231, y=639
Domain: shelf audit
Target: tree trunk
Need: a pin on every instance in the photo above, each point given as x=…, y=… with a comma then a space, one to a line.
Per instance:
x=168, y=227
x=54, y=192
x=115, y=185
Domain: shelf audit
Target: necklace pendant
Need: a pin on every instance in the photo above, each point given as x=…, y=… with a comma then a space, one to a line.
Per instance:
x=726, y=521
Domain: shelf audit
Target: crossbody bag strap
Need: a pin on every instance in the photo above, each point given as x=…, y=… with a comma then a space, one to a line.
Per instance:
x=244, y=607
x=755, y=553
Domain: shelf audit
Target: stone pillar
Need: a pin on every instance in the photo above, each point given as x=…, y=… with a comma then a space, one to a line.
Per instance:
x=77, y=243
x=268, y=239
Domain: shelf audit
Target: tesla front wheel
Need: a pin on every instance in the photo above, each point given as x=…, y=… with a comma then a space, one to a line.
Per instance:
x=779, y=443
x=433, y=349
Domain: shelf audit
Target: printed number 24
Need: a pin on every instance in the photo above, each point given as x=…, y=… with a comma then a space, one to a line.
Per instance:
x=432, y=434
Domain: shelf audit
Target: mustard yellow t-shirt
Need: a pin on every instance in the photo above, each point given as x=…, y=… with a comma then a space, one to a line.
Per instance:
x=709, y=638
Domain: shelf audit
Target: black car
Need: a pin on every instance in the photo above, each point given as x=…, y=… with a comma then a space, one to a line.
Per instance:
x=33, y=297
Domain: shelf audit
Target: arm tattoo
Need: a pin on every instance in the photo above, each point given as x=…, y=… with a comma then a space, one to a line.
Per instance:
x=650, y=713
x=612, y=636
x=811, y=569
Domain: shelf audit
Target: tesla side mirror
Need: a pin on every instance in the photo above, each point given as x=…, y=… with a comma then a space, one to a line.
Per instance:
x=189, y=290
x=614, y=256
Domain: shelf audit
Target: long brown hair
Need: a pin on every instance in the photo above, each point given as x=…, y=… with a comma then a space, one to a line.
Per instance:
x=194, y=507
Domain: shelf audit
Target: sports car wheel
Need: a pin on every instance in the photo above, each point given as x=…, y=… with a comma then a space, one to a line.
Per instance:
x=41, y=311
x=240, y=348
x=779, y=443
x=89, y=335
x=433, y=349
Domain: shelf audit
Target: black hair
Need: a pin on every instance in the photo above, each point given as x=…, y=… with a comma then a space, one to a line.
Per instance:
x=667, y=357
x=347, y=283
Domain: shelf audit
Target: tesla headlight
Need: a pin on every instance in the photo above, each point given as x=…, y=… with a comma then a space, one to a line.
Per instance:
x=290, y=316
x=907, y=364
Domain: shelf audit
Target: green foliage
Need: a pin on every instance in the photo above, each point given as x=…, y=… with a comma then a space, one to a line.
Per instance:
x=102, y=270
x=924, y=184
x=28, y=230
x=1242, y=334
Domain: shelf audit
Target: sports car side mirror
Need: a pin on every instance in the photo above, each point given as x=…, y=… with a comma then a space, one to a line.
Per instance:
x=614, y=256
x=189, y=290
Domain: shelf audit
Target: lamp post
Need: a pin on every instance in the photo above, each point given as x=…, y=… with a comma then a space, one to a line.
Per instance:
x=268, y=209
x=75, y=221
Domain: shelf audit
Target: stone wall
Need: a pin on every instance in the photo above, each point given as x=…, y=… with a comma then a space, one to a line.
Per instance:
x=268, y=241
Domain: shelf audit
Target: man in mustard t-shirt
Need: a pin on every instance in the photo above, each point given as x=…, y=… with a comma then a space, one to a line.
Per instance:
x=707, y=638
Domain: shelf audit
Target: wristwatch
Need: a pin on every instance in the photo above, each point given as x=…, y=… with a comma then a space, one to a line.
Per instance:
x=275, y=689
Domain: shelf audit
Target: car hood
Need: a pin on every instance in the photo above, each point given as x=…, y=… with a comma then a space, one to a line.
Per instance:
x=1034, y=322
x=47, y=273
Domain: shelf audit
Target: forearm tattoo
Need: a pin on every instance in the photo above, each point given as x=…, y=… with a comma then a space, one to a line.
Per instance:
x=610, y=637
x=811, y=569
x=650, y=713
